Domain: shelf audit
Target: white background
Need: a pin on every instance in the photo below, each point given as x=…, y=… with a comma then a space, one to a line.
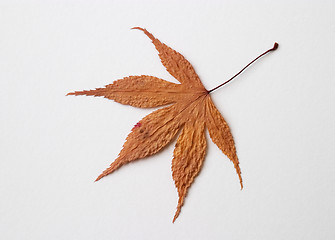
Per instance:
x=281, y=113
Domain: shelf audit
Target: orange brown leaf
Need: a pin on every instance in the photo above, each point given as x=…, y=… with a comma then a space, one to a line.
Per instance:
x=191, y=111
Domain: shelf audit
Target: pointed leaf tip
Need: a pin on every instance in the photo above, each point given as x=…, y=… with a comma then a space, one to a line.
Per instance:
x=176, y=214
x=138, y=28
x=145, y=32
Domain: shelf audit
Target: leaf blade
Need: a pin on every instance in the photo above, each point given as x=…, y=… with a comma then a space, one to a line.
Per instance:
x=220, y=134
x=175, y=63
x=147, y=137
x=188, y=158
x=137, y=91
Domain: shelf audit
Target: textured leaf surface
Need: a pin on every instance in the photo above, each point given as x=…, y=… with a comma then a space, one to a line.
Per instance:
x=220, y=134
x=189, y=154
x=138, y=91
x=175, y=63
x=190, y=112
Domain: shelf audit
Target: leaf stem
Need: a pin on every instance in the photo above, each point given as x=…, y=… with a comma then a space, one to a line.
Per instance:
x=275, y=46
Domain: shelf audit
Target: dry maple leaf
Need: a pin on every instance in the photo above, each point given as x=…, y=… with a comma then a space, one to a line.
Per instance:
x=191, y=110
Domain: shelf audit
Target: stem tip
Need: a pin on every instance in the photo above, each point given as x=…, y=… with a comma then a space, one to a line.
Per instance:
x=275, y=46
